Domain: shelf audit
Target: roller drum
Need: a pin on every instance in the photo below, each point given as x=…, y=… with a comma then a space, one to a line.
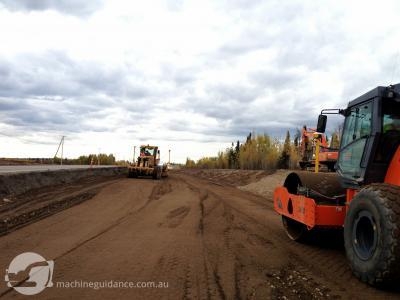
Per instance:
x=326, y=184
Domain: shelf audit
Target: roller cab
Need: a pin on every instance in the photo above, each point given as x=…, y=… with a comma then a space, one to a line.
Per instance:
x=363, y=197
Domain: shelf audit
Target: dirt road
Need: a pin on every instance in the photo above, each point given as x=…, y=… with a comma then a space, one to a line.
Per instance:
x=192, y=237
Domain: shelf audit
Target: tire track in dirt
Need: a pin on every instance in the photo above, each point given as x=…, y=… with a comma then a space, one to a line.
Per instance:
x=326, y=268
x=157, y=192
x=182, y=260
x=37, y=205
x=175, y=217
x=222, y=280
x=160, y=189
x=299, y=256
x=208, y=241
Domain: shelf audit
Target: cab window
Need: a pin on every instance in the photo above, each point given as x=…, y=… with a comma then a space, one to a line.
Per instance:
x=390, y=138
x=391, y=116
x=357, y=129
x=358, y=124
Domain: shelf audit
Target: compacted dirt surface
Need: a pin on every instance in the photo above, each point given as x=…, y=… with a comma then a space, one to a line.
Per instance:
x=193, y=235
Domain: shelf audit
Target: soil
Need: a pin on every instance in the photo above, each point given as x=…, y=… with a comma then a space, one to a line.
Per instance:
x=16, y=183
x=194, y=231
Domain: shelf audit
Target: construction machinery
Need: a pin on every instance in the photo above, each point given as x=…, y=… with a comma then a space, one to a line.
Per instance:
x=363, y=196
x=148, y=164
x=314, y=146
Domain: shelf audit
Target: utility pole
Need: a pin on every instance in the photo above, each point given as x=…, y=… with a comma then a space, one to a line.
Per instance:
x=61, y=144
x=134, y=154
x=62, y=150
x=169, y=156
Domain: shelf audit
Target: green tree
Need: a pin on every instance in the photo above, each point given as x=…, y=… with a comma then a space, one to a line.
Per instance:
x=259, y=152
x=83, y=160
x=284, y=158
x=190, y=163
x=222, y=161
x=335, y=142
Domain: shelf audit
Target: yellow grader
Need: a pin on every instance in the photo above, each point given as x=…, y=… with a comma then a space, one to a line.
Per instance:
x=148, y=164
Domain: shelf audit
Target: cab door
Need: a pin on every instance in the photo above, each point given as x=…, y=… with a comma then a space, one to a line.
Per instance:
x=356, y=134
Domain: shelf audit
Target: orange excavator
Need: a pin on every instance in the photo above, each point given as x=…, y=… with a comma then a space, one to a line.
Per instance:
x=314, y=144
x=363, y=196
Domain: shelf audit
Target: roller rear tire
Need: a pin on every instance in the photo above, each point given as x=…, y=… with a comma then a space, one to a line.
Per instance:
x=372, y=235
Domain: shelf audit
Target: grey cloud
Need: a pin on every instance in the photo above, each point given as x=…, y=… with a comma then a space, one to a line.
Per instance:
x=137, y=92
x=233, y=92
x=9, y=105
x=54, y=74
x=247, y=42
x=182, y=77
x=67, y=116
x=72, y=7
x=224, y=101
x=276, y=79
x=275, y=122
x=174, y=5
x=363, y=81
x=220, y=110
x=283, y=28
x=25, y=113
x=85, y=106
x=51, y=91
x=36, y=76
x=238, y=5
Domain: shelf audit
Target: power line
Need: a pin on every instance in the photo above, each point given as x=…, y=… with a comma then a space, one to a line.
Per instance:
x=20, y=139
x=24, y=140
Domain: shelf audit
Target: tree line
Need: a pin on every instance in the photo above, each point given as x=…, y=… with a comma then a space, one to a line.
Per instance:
x=258, y=152
x=91, y=159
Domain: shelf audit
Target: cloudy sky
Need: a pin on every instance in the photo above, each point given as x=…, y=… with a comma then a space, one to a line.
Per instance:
x=191, y=76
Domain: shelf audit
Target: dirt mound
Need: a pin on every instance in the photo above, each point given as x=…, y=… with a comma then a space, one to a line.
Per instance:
x=28, y=197
x=259, y=182
x=228, y=176
x=266, y=185
x=12, y=185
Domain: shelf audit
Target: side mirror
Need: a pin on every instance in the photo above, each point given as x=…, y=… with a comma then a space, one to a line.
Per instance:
x=321, y=126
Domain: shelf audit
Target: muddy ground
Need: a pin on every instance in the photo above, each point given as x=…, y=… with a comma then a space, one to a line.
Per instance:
x=195, y=231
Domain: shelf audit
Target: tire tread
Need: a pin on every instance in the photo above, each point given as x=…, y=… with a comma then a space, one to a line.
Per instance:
x=387, y=271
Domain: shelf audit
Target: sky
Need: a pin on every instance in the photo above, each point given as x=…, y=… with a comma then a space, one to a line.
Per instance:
x=189, y=76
